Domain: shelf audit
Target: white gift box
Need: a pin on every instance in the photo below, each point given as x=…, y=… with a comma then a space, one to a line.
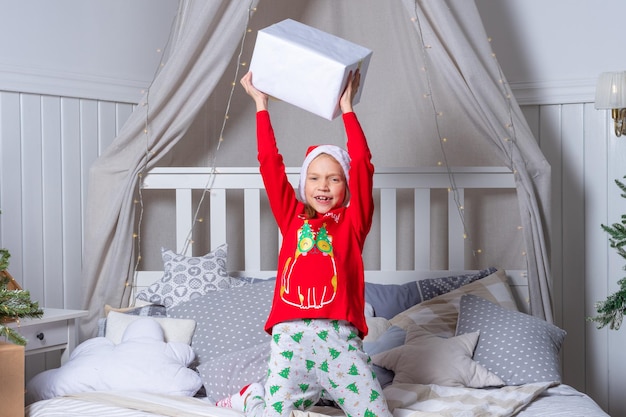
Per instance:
x=305, y=66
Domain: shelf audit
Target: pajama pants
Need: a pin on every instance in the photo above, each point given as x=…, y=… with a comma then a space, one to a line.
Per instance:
x=315, y=359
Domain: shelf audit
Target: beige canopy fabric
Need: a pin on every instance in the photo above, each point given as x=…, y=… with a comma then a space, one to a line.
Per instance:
x=206, y=33
x=443, y=82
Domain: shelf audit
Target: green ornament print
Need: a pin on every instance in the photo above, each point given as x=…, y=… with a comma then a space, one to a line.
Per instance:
x=278, y=406
x=274, y=389
x=352, y=387
x=285, y=373
x=369, y=413
x=374, y=395
x=353, y=370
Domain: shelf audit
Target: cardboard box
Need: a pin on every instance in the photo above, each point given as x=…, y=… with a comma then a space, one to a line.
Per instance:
x=305, y=66
x=12, y=380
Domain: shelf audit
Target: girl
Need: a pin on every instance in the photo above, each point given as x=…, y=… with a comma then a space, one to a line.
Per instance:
x=317, y=317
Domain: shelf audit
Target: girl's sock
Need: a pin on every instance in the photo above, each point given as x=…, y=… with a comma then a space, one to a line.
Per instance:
x=238, y=400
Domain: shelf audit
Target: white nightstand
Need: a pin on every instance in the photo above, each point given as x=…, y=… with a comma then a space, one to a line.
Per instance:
x=55, y=330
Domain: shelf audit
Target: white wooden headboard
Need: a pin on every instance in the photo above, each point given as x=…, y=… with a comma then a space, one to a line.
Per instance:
x=387, y=182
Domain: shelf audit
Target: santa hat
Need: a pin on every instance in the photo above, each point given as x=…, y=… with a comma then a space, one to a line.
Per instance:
x=336, y=152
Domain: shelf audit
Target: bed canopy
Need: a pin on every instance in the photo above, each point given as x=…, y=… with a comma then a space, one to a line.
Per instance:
x=434, y=91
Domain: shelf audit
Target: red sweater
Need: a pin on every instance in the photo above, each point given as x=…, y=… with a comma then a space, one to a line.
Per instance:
x=320, y=264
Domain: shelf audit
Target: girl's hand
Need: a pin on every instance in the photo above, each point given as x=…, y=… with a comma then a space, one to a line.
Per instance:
x=352, y=87
x=260, y=98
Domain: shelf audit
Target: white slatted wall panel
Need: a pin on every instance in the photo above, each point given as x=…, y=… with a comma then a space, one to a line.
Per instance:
x=47, y=145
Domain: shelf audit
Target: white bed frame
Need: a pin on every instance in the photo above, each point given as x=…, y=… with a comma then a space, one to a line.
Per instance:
x=386, y=180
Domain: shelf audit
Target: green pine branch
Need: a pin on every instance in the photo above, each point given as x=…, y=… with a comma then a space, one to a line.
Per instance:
x=610, y=312
x=14, y=304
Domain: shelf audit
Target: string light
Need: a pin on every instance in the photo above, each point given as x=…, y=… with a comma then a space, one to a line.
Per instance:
x=440, y=119
x=149, y=153
x=442, y=140
x=213, y=165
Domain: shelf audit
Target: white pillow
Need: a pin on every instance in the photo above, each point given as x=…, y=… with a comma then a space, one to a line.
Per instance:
x=143, y=362
x=175, y=330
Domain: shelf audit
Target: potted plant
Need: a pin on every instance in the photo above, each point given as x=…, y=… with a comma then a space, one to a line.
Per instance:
x=15, y=303
x=610, y=312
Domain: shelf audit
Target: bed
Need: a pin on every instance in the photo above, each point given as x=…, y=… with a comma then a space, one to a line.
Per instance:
x=486, y=355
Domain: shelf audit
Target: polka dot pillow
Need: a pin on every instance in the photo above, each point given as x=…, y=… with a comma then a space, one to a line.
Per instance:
x=227, y=321
x=515, y=346
x=185, y=277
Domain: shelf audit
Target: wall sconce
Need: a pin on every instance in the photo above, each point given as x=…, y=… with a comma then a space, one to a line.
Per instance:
x=611, y=94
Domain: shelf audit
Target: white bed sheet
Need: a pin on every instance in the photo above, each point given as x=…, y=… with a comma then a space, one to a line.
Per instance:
x=561, y=400
x=126, y=404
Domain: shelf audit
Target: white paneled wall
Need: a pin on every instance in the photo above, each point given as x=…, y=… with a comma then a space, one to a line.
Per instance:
x=48, y=143
x=586, y=158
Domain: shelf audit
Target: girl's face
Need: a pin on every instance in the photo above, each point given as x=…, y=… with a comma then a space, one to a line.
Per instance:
x=325, y=184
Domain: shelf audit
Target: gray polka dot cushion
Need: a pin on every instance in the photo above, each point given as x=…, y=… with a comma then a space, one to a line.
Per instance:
x=515, y=346
x=226, y=375
x=227, y=321
x=187, y=277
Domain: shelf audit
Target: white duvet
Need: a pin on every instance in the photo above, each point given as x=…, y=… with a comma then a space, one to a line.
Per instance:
x=143, y=361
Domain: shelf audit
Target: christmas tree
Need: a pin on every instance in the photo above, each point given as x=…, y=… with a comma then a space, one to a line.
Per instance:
x=611, y=311
x=15, y=303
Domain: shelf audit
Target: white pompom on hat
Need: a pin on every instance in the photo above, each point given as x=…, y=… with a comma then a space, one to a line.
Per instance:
x=340, y=155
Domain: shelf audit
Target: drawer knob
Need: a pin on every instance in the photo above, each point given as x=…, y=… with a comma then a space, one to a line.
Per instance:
x=40, y=336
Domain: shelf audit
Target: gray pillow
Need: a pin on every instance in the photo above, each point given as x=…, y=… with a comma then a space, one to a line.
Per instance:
x=515, y=346
x=227, y=374
x=393, y=337
x=188, y=277
x=388, y=300
x=227, y=321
